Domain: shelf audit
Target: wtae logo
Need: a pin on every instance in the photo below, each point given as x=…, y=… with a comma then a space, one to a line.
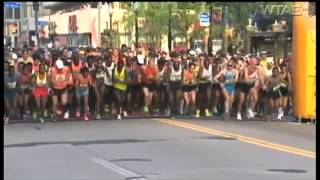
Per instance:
x=293, y=10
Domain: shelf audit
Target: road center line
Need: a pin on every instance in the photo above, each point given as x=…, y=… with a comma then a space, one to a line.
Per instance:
x=246, y=139
x=118, y=169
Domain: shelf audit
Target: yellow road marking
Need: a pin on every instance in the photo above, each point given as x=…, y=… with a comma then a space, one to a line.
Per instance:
x=247, y=139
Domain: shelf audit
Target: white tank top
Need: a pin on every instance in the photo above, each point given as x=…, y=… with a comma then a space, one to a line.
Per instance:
x=108, y=80
x=175, y=75
x=207, y=73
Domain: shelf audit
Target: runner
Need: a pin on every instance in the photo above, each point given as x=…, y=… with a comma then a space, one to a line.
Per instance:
x=60, y=78
x=230, y=77
x=120, y=86
x=253, y=77
x=162, y=86
x=175, y=93
x=149, y=79
x=108, y=82
x=204, y=92
x=286, y=87
x=40, y=92
x=216, y=88
x=99, y=87
x=274, y=83
x=25, y=86
x=189, y=88
x=82, y=88
x=76, y=66
x=10, y=92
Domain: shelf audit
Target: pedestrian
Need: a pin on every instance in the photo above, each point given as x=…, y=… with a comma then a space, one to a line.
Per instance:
x=25, y=86
x=175, y=93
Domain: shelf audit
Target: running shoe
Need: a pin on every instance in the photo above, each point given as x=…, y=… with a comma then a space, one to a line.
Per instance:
x=86, y=118
x=41, y=120
x=119, y=117
x=215, y=110
x=207, y=113
x=34, y=115
x=54, y=118
x=78, y=114
x=45, y=113
x=125, y=114
x=59, y=112
x=66, y=115
x=250, y=114
x=239, y=118
x=146, y=109
x=197, y=114
x=98, y=117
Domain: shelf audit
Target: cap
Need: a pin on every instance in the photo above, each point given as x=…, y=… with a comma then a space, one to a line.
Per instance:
x=14, y=56
x=59, y=64
x=192, y=53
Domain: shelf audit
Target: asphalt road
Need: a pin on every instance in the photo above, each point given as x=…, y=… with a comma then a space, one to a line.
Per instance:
x=159, y=149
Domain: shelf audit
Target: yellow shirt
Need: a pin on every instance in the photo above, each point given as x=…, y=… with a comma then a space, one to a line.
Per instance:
x=120, y=76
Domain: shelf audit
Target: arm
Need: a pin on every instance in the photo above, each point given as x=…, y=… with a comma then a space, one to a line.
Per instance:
x=218, y=75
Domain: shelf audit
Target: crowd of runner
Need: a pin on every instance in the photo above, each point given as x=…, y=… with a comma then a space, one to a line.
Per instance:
x=88, y=83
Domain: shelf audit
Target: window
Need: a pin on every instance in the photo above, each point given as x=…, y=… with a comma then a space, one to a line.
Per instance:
x=16, y=13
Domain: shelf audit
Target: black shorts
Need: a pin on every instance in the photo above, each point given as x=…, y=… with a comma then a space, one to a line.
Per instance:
x=245, y=87
x=274, y=94
x=175, y=86
x=59, y=92
x=284, y=91
x=25, y=91
x=161, y=87
x=71, y=89
x=134, y=87
x=203, y=87
x=186, y=88
x=109, y=95
x=151, y=87
x=216, y=86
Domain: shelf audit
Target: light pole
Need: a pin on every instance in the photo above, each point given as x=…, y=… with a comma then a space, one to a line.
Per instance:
x=136, y=24
x=36, y=9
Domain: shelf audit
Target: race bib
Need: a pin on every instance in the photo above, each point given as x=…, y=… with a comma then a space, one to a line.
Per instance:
x=12, y=85
x=60, y=77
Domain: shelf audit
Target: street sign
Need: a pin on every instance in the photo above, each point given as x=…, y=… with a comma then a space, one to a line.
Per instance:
x=204, y=19
x=12, y=4
x=43, y=23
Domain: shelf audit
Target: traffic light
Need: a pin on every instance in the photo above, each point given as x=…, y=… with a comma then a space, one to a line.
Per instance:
x=36, y=6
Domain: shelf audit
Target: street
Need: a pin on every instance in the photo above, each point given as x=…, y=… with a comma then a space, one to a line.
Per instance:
x=159, y=149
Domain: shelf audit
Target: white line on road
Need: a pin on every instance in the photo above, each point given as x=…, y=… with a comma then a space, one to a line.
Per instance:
x=118, y=169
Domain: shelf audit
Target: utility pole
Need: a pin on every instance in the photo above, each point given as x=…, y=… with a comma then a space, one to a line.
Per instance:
x=169, y=30
x=210, y=32
x=36, y=9
x=136, y=24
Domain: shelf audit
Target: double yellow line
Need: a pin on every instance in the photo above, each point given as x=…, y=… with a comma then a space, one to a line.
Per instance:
x=246, y=139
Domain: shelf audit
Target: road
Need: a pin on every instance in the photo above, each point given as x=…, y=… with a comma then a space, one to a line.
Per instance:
x=159, y=149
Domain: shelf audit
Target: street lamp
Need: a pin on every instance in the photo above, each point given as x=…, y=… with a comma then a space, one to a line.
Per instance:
x=36, y=9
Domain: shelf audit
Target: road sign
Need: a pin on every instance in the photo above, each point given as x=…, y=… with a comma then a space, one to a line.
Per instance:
x=204, y=19
x=12, y=4
x=43, y=23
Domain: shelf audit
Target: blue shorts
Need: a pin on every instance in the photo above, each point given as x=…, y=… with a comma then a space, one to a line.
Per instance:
x=83, y=91
x=229, y=88
x=10, y=94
